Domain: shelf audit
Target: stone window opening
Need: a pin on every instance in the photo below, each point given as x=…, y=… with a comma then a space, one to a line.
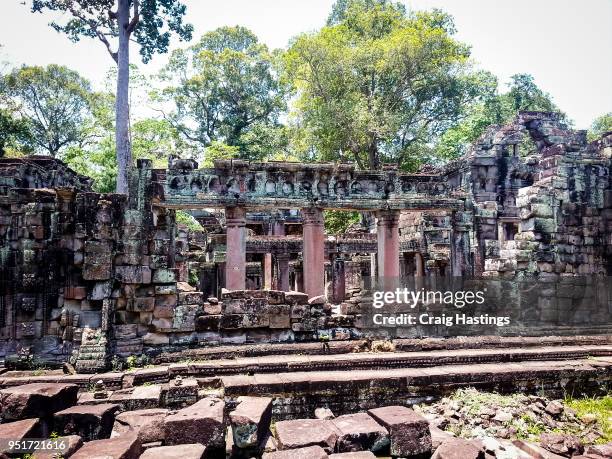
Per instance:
x=508, y=231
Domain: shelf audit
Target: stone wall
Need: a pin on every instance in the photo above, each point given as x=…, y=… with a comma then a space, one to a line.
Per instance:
x=87, y=276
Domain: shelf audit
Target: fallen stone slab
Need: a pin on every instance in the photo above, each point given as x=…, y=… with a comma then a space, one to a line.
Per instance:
x=37, y=400
x=562, y=444
x=250, y=421
x=458, y=448
x=90, y=422
x=360, y=432
x=138, y=398
x=201, y=422
x=189, y=451
x=535, y=450
x=306, y=432
x=311, y=452
x=18, y=430
x=408, y=431
x=71, y=444
x=353, y=455
x=438, y=436
x=126, y=446
x=148, y=423
x=602, y=450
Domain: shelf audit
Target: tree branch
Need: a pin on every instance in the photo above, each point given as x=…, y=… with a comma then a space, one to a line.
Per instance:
x=135, y=19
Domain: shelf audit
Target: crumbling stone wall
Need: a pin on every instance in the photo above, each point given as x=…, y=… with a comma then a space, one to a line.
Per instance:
x=88, y=276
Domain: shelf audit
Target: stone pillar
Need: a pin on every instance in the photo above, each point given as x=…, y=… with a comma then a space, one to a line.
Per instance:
x=420, y=265
x=298, y=272
x=281, y=263
x=235, y=258
x=282, y=272
x=338, y=279
x=388, y=244
x=313, y=252
x=267, y=271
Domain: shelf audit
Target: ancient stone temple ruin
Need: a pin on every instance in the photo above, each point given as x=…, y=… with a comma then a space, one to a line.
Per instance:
x=237, y=320
x=86, y=276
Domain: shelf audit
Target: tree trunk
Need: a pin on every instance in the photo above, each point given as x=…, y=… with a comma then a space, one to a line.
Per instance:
x=122, y=138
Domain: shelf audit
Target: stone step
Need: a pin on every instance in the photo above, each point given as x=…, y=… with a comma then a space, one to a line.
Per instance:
x=401, y=344
x=369, y=361
x=298, y=394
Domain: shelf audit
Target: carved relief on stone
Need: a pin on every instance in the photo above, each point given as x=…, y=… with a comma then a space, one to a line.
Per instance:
x=28, y=304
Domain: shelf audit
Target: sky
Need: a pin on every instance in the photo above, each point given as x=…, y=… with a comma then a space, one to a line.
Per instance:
x=565, y=44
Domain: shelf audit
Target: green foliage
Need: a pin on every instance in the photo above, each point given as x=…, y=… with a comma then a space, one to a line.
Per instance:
x=338, y=221
x=218, y=150
x=53, y=104
x=157, y=20
x=600, y=408
x=14, y=133
x=493, y=108
x=183, y=218
x=224, y=89
x=600, y=126
x=376, y=82
x=151, y=139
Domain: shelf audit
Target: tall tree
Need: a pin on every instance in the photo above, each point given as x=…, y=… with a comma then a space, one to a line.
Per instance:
x=54, y=102
x=148, y=22
x=376, y=82
x=225, y=89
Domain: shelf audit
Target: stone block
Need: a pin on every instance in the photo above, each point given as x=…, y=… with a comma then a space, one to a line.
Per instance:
x=353, y=455
x=143, y=304
x=458, y=448
x=101, y=290
x=189, y=451
x=133, y=274
x=164, y=276
x=71, y=444
x=126, y=446
x=211, y=309
x=90, y=422
x=166, y=301
x=149, y=424
x=201, y=422
x=94, y=271
x=311, y=452
x=18, y=430
x=163, y=312
x=182, y=394
x=36, y=400
x=408, y=431
x=191, y=297
x=250, y=421
x=306, y=432
x=279, y=316
x=155, y=339
x=169, y=289
x=293, y=298
x=137, y=398
x=359, y=432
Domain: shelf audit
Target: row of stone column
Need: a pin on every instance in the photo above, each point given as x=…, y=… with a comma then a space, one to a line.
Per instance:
x=313, y=250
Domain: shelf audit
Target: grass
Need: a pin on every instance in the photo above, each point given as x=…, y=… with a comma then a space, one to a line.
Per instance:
x=475, y=400
x=600, y=407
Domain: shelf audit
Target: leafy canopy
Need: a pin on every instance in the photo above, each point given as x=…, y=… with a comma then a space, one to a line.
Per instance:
x=54, y=103
x=600, y=126
x=153, y=23
x=377, y=82
x=224, y=89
